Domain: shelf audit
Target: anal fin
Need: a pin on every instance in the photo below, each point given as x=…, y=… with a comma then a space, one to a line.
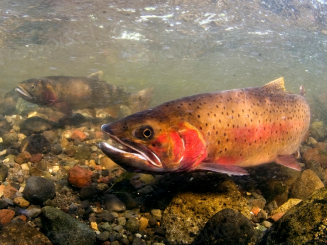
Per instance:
x=221, y=168
x=288, y=161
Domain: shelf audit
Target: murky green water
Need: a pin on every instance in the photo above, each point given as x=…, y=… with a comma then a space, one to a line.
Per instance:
x=177, y=47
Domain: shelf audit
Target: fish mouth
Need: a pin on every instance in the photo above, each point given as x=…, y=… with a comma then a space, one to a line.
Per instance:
x=130, y=155
x=24, y=93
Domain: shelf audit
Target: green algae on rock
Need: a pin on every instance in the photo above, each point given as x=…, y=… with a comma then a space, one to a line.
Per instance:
x=63, y=229
x=302, y=223
x=18, y=232
x=188, y=212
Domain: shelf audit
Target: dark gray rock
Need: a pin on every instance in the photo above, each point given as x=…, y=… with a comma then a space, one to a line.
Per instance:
x=19, y=232
x=3, y=204
x=132, y=225
x=103, y=236
x=4, y=126
x=3, y=172
x=128, y=200
x=112, y=203
x=88, y=192
x=106, y=217
x=35, y=125
x=35, y=144
x=227, y=227
x=62, y=229
x=56, y=149
x=38, y=190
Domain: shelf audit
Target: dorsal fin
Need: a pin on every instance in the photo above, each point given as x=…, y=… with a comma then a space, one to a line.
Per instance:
x=275, y=86
x=96, y=75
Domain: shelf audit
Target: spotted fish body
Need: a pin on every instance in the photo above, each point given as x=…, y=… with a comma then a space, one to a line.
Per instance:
x=221, y=131
x=65, y=93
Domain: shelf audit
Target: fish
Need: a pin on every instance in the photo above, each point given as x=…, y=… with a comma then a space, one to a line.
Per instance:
x=225, y=132
x=66, y=93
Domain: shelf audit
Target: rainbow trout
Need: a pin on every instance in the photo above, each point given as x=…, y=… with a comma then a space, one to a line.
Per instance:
x=65, y=93
x=220, y=131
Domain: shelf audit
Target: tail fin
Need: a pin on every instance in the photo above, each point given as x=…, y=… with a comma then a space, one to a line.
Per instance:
x=141, y=100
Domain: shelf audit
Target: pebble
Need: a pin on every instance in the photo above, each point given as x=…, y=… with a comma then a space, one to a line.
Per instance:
x=156, y=213
x=25, y=166
x=107, y=163
x=106, y=216
x=121, y=221
x=3, y=172
x=36, y=158
x=80, y=177
x=38, y=190
x=103, y=236
x=145, y=190
x=23, y=157
x=36, y=143
x=21, y=202
x=306, y=184
x=105, y=227
x=132, y=225
x=266, y=224
x=143, y=223
x=6, y=216
x=128, y=214
x=118, y=228
x=112, y=203
x=9, y=138
x=34, y=125
x=78, y=134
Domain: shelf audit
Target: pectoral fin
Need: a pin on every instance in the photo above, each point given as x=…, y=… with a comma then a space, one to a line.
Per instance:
x=288, y=161
x=221, y=168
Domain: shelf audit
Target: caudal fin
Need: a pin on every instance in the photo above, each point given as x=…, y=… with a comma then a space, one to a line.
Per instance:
x=141, y=100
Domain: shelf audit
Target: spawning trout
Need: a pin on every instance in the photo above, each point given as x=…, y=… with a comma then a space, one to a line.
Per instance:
x=220, y=131
x=65, y=93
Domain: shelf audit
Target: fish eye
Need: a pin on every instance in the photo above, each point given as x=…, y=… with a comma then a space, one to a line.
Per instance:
x=32, y=86
x=144, y=132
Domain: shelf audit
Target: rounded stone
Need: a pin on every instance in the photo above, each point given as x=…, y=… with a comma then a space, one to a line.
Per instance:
x=112, y=203
x=227, y=227
x=132, y=225
x=35, y=144
x=22, y=202
x=35, y=125
x=38, y=190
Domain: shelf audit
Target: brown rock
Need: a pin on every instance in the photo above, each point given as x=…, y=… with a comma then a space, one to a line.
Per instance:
x=7, y=191
x=78, y=134
x=22, y=202
x=23, y=157
x=306, y=184
x=99, y=135
x=79, y=177
x=6, y=216
x=107, y=163
x=143, y=223
x=36, y=158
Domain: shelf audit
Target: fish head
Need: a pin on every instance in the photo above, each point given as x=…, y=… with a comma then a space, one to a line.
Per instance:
x=37, y=90
x=154, y=145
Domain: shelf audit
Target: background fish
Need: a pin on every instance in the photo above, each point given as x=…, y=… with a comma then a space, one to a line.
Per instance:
x=65, y=93
x=221, y=131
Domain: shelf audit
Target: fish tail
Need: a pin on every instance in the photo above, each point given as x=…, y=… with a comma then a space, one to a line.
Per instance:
x=141, y=100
